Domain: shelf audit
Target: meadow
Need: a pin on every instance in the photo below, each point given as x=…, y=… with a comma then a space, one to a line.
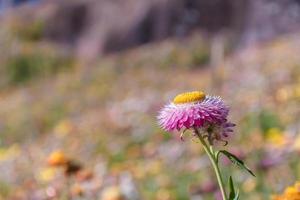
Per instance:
x=100, y=118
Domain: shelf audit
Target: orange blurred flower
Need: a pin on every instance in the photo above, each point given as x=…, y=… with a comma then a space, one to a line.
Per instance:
x=290, y=193
x=57, y=158
x=77, y=190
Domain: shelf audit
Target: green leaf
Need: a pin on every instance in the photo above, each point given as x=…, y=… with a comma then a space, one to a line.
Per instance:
x=237, y=196
x=231, y=189
x=236, y=161
x=233, y=195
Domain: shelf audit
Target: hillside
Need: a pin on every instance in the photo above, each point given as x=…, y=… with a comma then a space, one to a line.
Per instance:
x=103, y=115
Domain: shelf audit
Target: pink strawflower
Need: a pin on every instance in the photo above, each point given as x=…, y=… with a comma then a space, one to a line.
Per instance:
x=196, y=110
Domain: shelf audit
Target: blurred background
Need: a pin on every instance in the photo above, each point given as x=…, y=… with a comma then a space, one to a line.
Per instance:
x=81, y=82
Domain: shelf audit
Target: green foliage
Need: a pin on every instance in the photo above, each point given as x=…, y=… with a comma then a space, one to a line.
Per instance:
x=263, y=120
x=4, y=189
x=56, y=112
x=150, y=185
x=118, y=158
x=267, y=120
x=166, y=137
x=231, y=189
x=181, y=189
x=249, y=123
x=24, y=67
x=29, y=31
x=237, y=196
x=200, y=56
x=196, y=56
x=233, y=195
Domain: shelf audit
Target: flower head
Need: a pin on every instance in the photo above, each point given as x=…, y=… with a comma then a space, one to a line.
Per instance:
x=197, y=110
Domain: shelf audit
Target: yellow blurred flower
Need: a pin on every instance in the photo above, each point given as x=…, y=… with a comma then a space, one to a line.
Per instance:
x=297, y=91
x=46, y=174
x=290, y=193
x=276, y=137
x=296, y=144
x=10, y=152
x=133, y=152
x=63, y=128
x=163, y=194
x=163, y=180
x=139, y=171
x=57, y=158
x=154, y=167
x=283, y=94
x=249, y=185
x=112, y=193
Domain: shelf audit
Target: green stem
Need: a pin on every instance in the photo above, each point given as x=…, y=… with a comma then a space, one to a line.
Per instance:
x=210, y=153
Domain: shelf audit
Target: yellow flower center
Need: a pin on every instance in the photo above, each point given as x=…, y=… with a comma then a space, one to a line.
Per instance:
x=189, y=97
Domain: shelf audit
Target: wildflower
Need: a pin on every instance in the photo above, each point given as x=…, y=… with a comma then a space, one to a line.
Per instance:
x=112, y=193
x=283, y=94
x=197, y=110
x=65, y=127
x=77, y=190
x=57, y=158
x=297, y=91
x=46, y=174
x=9, y=153
x=163, y=194
x=296, y=143
x=206, y=116
x=276, y=137
x=270, y=160
x=290, y=193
